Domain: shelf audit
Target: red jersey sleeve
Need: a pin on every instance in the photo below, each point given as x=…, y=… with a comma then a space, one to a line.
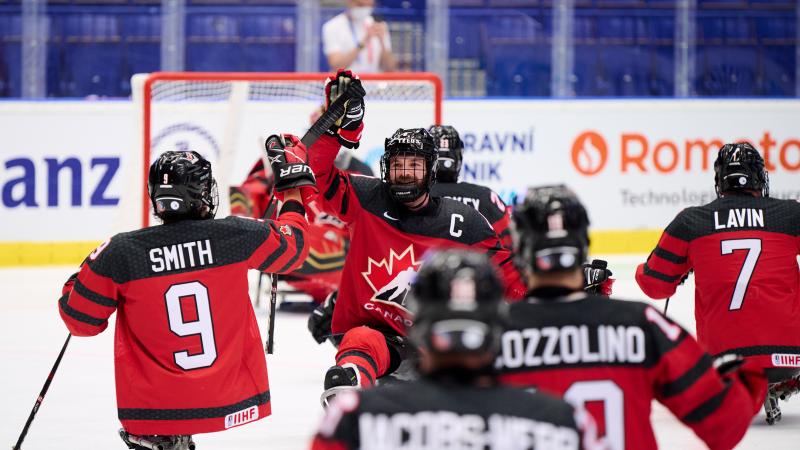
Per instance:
x=501, y=227
x=691, y=388
x=88, y=299
x=502, y=257
x=668, y=263
x=336, y=193
x=284, y=247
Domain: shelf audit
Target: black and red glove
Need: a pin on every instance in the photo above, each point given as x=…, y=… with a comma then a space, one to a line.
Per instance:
x=597, y=278
x=289, y=159
x=349, y=127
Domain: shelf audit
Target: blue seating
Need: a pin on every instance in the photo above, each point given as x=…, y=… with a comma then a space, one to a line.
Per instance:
x=778, y=76
x=726, y=71
x=465, y=39
x=10, y=55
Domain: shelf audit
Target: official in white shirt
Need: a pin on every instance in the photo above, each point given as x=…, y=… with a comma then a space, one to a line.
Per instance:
x=355, y=40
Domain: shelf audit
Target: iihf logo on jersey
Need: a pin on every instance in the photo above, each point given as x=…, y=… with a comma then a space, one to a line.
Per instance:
x=785, y=360
x=241, y=417
x=390, y=277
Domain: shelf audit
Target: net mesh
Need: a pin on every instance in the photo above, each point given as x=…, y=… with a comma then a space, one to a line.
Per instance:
x=227, y=117
x=177, y=91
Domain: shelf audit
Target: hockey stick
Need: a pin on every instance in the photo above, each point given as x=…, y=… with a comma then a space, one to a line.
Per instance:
x=334, y=111
x=39, y=399
x=273, y=295
x=666, y=306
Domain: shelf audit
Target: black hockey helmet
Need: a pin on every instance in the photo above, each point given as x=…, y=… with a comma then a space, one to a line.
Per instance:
x=457, y=302
x=449, y=146
x=552, y=230
x=738, y=167
x=181, y=186
x=409, y=142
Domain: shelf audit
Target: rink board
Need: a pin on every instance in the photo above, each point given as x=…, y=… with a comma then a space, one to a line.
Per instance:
x=71, y=171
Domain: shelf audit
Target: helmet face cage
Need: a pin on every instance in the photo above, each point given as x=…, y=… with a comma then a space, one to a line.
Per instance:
x=181, y=186
x=740, y=167
x=457, y=301
x=407, y=179
x=552, y=230
x=449, y=148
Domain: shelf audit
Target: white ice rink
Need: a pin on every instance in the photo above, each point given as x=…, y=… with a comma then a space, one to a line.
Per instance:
x=80, y=412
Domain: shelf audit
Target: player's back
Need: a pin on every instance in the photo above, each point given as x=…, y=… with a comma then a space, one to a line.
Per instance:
x=614, y=357
x=479, y=197
x=426, y=414
x=744, y=254
x=188, y=350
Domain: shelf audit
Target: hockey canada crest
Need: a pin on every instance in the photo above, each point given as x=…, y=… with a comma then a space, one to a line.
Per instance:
x=286, y=230
x=390, y=277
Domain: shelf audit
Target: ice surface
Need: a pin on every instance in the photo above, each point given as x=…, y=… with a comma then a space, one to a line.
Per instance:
x=80, y=410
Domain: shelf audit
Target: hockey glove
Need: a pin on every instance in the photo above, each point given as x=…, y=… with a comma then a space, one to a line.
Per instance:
x=597, y=278
x=289, y=159
x=319, y=322
x=348, y=128
x=750, y=374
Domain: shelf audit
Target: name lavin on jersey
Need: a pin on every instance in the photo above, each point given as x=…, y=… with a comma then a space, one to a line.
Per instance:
x=446, y=429
x=181, y=256
x=570, y=344
x=739, y=217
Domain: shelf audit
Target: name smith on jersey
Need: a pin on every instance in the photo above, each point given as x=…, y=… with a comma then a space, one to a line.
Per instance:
x=181, y=256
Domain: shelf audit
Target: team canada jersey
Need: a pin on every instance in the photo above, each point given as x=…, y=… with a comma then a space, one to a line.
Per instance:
x=614, y=357
x=485, y=200
x=188, y=353
x=441, y=415
x=387, y=243
x=743, y=251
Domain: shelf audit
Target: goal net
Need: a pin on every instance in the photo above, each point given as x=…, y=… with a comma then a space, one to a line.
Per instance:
x=227, y=116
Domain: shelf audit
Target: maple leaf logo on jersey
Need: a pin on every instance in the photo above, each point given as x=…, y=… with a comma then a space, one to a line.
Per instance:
x=390, y=277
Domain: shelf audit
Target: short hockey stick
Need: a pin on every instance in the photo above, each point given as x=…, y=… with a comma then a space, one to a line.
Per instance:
x=334, y=111
x=273, y=295
x=38, y=403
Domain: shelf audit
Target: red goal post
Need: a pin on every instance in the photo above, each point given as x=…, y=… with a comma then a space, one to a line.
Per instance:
x=224, y=116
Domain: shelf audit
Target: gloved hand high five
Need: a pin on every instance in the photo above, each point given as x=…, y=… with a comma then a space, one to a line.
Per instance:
x=349, y=127
x=289, y=159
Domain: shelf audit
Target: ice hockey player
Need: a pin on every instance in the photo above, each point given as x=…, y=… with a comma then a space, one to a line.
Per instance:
x=619, y=354
x=188, y=352
x=448, y=167
x=457, y=402
x=743, y=249
x=393, y=221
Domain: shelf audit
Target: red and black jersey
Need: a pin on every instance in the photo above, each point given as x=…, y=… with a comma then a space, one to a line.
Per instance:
x=614, y=357
x=440, y=415
x=188, y=353
x=387, y=243
x=743, y=251
x=485, y=200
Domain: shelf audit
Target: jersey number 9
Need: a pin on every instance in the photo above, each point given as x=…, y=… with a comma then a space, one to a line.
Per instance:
x=202, y=326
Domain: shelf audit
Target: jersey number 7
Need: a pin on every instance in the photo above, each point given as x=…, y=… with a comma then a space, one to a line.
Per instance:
x=753, y=247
